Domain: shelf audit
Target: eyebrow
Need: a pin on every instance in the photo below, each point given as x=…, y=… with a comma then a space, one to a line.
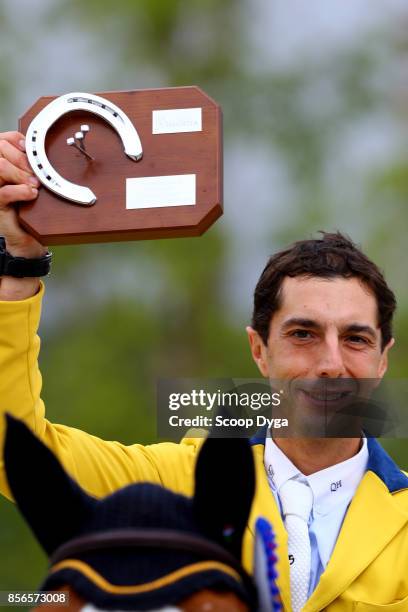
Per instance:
x=356, y=328
x=301, y=322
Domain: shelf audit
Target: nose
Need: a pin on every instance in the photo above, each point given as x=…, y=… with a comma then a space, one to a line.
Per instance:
x=330, y=363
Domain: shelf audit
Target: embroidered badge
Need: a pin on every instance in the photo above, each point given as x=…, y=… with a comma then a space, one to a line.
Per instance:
x=335, y=485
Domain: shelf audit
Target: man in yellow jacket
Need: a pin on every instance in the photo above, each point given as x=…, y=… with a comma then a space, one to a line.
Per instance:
x=322, y=311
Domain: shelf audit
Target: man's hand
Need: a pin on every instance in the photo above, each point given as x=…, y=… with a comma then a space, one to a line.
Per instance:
x=17, y=184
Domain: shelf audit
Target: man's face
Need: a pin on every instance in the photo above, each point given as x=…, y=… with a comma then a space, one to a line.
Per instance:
x=325, y=328
x=323, y=340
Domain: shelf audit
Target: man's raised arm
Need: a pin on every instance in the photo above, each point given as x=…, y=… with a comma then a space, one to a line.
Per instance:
x=17, y=184
x=99, y=466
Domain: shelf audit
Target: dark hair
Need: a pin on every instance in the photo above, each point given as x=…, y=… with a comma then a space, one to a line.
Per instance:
x=331, y=256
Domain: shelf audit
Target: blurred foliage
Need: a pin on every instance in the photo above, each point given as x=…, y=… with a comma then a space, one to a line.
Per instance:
x=172, y=316
x=6, y=71
x=187, y=41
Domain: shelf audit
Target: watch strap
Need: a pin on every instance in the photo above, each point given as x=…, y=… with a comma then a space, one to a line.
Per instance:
x=21, y=267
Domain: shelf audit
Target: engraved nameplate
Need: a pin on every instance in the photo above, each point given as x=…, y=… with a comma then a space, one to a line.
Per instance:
x=158, y=191
x=177, y=120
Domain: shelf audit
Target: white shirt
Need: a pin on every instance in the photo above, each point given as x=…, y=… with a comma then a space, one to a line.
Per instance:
x=333, y=489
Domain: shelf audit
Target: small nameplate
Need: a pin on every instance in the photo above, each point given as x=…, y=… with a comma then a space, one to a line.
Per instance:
x=158, y=191
x=177, y=120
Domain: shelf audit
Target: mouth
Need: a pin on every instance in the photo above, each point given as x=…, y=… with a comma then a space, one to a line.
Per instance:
x=324, y=397
x=324, y=407
x=326, y=394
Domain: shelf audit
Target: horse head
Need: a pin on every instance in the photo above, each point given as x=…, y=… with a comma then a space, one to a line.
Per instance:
x=142, y=547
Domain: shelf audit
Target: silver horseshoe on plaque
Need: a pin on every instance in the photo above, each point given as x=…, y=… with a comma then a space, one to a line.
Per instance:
x=37, y=132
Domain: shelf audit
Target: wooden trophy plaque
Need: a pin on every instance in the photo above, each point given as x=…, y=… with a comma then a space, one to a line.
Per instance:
x=125, y=165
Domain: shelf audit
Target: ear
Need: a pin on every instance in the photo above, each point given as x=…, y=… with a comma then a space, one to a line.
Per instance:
x=53, y=505
x=384, y=358
x=224, y=490
x=258, y=350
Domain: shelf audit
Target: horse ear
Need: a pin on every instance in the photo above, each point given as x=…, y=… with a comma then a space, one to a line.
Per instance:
x=224, y=490
x=53, y=505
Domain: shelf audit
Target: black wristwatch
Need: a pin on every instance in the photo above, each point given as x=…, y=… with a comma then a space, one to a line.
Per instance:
x=21, y=267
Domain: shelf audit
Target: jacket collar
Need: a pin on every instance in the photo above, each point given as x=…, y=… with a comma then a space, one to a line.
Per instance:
x=385, y=468
x=379, y=462
x=376, y=491
x=264, y=505
x=373, y=519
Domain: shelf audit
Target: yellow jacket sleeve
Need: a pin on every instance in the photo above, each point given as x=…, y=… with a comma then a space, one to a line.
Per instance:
x=100, y=467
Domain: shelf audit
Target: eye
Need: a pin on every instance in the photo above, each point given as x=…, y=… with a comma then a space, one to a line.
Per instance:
x=301, y=334
x=357, y=339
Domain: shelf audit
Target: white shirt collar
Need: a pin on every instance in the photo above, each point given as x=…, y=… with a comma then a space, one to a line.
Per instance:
x=332, y=487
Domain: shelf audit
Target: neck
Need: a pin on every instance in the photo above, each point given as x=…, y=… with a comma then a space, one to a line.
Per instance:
x=311, y=455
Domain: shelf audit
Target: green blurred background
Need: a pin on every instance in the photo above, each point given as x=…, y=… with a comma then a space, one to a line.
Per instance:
x=314, y=97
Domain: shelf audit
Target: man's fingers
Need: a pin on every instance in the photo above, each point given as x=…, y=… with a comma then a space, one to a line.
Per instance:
x=15, y=156
x=14, y=166
x=15, y=138
x=16, y=193
x=9, y=225
x=9, y=173
x=18, y=242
